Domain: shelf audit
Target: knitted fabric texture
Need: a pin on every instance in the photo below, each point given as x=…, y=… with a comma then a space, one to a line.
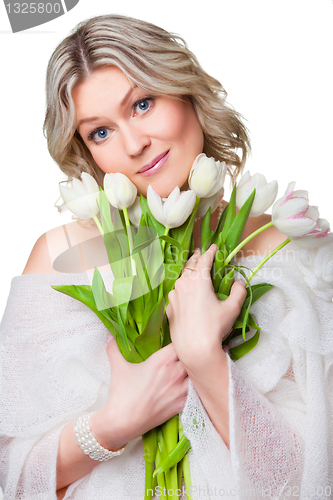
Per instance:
x=54, y=367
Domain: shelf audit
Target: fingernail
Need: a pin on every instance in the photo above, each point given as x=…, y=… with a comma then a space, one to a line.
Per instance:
x=242, y=281
x=109, y=338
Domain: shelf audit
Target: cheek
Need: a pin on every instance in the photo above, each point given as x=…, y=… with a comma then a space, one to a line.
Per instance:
x=107, y=162
x=177, y=121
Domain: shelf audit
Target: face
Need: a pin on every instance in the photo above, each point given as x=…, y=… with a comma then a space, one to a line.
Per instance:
x=151, y=139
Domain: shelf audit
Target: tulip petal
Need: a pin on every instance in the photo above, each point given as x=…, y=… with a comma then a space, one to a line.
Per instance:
x=212, y=201
x=155, y=204
x=171, y=201
x=312, y=212
x=135, y=212
x=89, y=183
x=244, y=180
x=264, y=198
x=181, y=210
x=295, y=226
x=294, y=206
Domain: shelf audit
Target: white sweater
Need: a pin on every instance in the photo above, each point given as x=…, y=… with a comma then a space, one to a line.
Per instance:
x=54, y=367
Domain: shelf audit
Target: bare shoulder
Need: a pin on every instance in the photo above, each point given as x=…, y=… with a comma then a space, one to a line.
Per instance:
x=52, y=253
x=264, y=242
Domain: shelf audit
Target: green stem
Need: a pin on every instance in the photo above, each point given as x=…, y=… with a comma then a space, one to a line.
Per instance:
x=273, y=252
x=149, y=448
x=161, y=477
x=166, y=232
x=128, y=229
x=98, y=224
x=130, y=238
x=185, y=468
x=170, y=433
x=242, y=243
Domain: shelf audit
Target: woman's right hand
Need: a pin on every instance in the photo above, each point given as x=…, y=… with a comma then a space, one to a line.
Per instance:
x=141, y=396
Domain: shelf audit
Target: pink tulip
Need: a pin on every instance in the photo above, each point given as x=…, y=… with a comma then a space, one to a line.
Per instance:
x=292, y=214
x=318, y=237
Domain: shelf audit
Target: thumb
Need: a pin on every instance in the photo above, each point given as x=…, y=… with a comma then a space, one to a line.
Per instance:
x=235, y=300
x=238, y=292
x=112, y=350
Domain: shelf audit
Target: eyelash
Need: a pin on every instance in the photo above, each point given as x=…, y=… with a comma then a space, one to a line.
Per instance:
x=96, y=130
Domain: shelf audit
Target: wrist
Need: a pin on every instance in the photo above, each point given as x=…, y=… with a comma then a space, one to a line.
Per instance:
x=106, y=430
x=201, y=360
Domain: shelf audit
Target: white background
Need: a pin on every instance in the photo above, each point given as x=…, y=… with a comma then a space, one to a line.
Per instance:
x=273, y=57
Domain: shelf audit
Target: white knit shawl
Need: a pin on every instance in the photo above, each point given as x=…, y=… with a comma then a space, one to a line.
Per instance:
x=54, y=367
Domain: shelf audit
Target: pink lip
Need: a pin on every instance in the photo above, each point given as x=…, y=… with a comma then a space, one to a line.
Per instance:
x=154, y=165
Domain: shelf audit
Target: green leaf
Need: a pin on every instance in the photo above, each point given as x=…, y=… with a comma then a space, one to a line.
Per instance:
x=258, y=291
x=175, y=456
x=158, y=277
x=172, y=241
x=169, y=254
x=221, y=296
x=188, y=236
x=83, y=293
x=122, y=289
x=144, y=237
x=235, y=232
x=249, y=320
x=105, y=211
x=136, y=304
x=230, y=214
x=118, y=221
x=103, y=299
x=242, y=349
x=172, y=272
x=206, y=231
x=113, y=251
x=150, y=339
x=226, y=283
x=123, y=331
x=166, y=339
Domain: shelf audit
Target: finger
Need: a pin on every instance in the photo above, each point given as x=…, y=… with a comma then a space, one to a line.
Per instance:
x=191, y=263
x=168, y=310
x=206, y=260
x=236, y=298
x=113, y=352
x=238, y=290
x=169, y=351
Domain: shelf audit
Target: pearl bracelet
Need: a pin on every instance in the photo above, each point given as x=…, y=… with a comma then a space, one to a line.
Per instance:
x=89, y=444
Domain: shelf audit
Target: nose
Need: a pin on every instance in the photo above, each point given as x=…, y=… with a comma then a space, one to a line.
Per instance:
x=135, y=139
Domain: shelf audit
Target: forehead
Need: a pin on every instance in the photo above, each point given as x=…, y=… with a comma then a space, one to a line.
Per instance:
x=90, y=94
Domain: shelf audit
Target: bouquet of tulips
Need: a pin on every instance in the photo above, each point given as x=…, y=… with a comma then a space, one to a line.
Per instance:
x=148, y=242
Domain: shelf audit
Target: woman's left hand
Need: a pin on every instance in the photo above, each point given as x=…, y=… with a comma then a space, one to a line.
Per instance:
x=198, y=320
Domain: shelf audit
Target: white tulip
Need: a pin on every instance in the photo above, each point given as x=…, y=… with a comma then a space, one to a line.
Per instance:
x=173, y=210
x=212, y=201
x=292, y=215
x=265, y=193
x=120, y=191
x=318, y=237
x=206, y=176
x=135, y=212
x=82, y=196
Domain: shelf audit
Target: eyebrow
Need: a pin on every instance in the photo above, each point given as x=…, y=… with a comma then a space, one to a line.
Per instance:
x=121, y=104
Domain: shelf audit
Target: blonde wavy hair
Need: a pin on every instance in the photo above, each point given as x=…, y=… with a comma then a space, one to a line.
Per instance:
x=151, y=58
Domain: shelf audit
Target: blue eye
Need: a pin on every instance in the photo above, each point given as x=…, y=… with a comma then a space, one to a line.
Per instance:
x=143, y=104
x=102, y=133
x=98, y=135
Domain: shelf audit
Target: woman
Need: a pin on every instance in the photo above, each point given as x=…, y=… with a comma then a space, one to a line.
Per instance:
x=124, y=95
